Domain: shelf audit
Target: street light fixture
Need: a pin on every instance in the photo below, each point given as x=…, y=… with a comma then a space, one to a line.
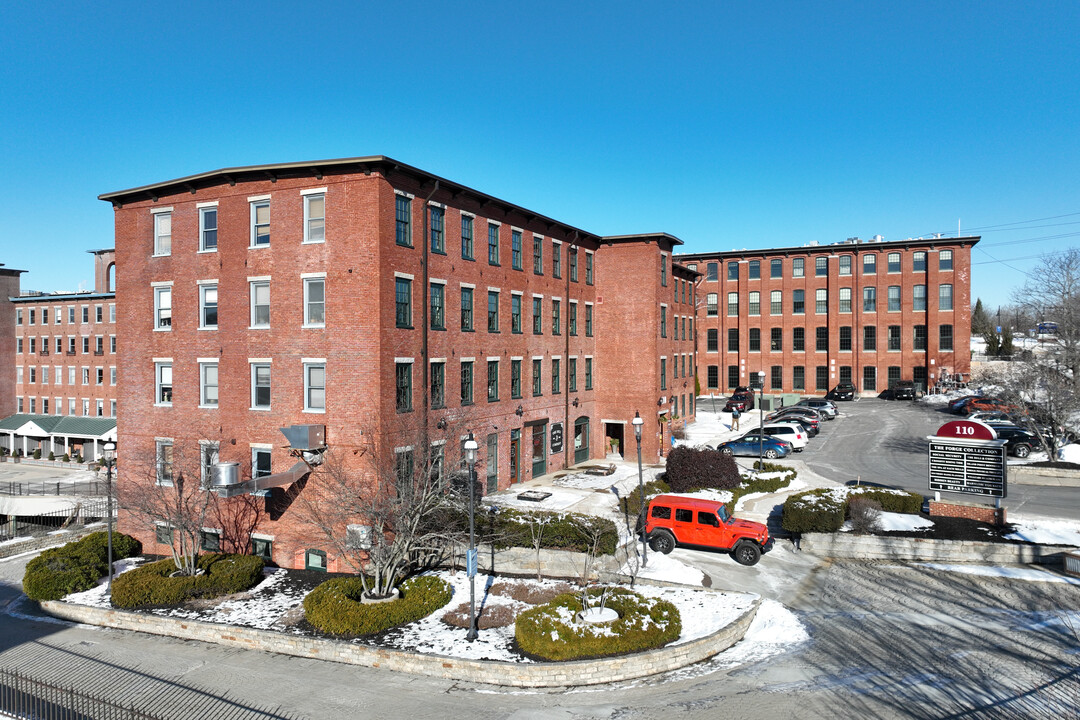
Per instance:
x=761, y=419
x=470, y=558
x=110, y=459
x=637, y=423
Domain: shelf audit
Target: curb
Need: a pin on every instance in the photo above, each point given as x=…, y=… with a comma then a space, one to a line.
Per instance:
x=492, y=672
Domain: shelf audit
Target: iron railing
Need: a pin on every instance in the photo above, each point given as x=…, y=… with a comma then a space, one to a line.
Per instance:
x=82, y=513
x=26, y=698
x=85, y=488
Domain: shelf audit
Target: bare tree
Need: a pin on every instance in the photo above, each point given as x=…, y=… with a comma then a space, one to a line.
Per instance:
x=164, y=490
x=388, y=511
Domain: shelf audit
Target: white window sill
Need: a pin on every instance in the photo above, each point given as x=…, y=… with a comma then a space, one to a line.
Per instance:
x=168, y=254
x=209, y=327
x=258, y=247
x=163, y=404
x=163, y=329
x=321, y=326
x=260, y=409
x=315, y=411
x=258, y=327
x=313, y=242
x=208, y=407
x=206, y=252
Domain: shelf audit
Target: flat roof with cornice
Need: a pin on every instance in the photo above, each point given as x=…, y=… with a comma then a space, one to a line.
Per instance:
x=838, y=247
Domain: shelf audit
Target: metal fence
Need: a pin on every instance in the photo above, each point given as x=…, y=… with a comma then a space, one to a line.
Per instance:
x=29, y=699
x=86, y=488
x=81, y=513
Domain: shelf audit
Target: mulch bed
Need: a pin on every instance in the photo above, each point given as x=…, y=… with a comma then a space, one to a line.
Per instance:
x=950, y=528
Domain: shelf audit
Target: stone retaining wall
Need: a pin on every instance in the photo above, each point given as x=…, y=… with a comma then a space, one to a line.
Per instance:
x=40, y=543
x=1028, y=475
x=873, y=547
x=540, y=674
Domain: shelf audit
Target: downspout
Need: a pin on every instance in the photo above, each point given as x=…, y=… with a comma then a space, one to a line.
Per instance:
x=424, y=310
x=568, y=431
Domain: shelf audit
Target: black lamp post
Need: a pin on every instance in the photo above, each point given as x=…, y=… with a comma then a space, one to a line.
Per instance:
x=470, y=558
x=110, y=459
x=637, y=423
x=761, y=419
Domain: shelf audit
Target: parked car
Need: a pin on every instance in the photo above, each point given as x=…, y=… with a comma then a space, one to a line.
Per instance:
x=957, y=405
x=987, y=403
x=1018, y=441
x=790, y=431
x=742, y=400
x=985, y=415
x=679, y=520
x=902, y=390
x=842, y=391
x=810, y=425
x=827, y=408
x=751, y=443
x=796, y=411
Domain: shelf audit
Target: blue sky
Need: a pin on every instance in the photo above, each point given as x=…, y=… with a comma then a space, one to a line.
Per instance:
x=729, y=125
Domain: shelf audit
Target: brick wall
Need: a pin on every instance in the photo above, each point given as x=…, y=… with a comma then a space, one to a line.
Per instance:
x=982, y=513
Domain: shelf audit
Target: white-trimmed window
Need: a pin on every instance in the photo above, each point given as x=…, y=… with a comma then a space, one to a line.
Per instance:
x=164, y=454
x=260, y=304
x=314, y=302
x=260, y=386
x=112, y=374
x=314, y=387
x=208, y=457
x=208, y=227
x=208, y=384
x=163, y=233
x=260, y=223
x=208, y=306
x=163, y=383
x=315, y=218
x=112, y=314
x=163, y=308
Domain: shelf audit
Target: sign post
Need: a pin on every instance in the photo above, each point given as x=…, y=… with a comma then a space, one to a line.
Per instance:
x=966, y=456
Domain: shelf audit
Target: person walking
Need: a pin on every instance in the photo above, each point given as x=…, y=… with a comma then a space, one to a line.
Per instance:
x=734, y=418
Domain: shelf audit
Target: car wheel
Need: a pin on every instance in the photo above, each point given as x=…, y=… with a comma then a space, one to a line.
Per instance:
x=1022, y=450
x=662, y=542
x=798, y=449
x=746, y=553
x=771, y=454
x=726, y=450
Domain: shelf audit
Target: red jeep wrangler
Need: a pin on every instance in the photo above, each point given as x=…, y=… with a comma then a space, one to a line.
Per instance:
x=676, y=520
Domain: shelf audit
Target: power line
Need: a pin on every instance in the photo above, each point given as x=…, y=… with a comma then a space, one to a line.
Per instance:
x=1002, y=225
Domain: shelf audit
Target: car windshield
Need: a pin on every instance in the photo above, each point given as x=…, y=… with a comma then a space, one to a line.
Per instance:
x=723, y=514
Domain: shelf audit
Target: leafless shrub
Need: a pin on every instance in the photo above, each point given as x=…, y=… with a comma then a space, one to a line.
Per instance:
x=530, y=593
x=865, y=515
x=491, y=616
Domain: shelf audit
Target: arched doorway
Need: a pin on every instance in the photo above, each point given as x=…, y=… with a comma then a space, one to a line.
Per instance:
x=581, y=439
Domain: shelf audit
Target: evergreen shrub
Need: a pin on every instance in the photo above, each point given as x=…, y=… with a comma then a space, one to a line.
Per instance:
x=152, y=585
x=335, y=608
x=75, y=567
x=550, y=632
x=691, y=469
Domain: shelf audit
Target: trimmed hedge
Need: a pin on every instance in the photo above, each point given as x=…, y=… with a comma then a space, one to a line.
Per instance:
x=152, y=584
x=695, y=469
x=550, y=632
x=824, y=509
x=75, y=567
x=631, y=504
x=335, y=608
x=563, y=531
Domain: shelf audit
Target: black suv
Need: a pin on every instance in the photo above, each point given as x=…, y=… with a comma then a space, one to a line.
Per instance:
x=1018, y=441
x=902, y=390
x=843, y=391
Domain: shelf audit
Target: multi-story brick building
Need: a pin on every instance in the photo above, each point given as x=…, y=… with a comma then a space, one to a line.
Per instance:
x=866, y=312
x=394, y=308
x=65, y=366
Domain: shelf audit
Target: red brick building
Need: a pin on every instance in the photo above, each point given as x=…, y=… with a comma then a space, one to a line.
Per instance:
x=65, y=366
x=390, y=306
x=866, y=312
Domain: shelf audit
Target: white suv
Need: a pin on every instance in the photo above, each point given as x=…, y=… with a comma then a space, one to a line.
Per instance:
x=792, y=432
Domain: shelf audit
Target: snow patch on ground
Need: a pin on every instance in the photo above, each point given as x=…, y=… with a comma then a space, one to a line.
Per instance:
x=1070, y=453
x=666, y=568
x=1011, y=572
x=1046, y=531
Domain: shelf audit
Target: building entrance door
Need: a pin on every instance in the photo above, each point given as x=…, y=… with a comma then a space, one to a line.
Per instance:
x=539, y=450
x=515, y=456
x=581, y=439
